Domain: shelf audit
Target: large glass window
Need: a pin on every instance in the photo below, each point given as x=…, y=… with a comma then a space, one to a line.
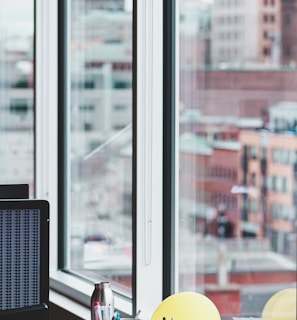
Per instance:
x=99, y=222
x=17, y=93
x=238, y=113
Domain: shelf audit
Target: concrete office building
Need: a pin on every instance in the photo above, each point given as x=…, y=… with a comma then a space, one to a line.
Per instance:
x=101, y=100
x=243, y=30
x=238, y=33
x=16, y=109
x=195, y=34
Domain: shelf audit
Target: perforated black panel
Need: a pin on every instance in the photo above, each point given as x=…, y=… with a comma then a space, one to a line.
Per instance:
x=20, y=258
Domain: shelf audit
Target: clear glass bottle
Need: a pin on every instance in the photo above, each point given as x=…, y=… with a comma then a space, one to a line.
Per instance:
x=102, y=296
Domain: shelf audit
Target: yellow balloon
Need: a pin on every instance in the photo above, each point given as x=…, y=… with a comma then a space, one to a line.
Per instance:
x=285, y=307
x=186, y=306
x=281, y=306
x=267, y=310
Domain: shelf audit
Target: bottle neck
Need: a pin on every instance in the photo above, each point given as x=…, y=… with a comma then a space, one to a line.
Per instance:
x=104, y=285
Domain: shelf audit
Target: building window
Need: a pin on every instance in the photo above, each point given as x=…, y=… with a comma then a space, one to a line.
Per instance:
x=283, y=212
x=254, y=152
x=266, y=51
x=278, y=184
x=284, y=156
x=268, y=18
x=253, y=179
x=287, y=51
x=265, y=18
x=86, y=108
x=287, y=19
x=253, y=206
x=19, y=107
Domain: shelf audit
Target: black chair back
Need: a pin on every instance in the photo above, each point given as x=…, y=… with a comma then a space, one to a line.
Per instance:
x=24, y=260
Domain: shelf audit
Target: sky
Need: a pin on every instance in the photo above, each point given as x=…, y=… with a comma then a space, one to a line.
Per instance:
x=16, y=17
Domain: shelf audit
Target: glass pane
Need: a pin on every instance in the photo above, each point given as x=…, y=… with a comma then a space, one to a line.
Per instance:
x=237, y=151
x=17, y=93
x=100, y=216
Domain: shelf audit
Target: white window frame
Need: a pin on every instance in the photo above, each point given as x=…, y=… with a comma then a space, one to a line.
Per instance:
x=149, y=155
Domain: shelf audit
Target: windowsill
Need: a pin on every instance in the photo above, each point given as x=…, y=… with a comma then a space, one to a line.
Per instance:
x=69, y=305
x=73, y=295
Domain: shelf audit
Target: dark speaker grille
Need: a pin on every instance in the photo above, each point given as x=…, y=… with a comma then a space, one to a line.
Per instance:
x=20, y=258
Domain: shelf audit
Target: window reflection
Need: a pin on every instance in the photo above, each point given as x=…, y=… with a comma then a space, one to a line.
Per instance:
x=237, y=181
x=17, y=92
x=101, y=141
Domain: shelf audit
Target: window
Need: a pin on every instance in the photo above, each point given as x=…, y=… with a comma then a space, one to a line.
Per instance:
x=96, y=172
x=287, y=51
x=253, y=179
x=255, y=217
x=17, y=93
x=86, y=108
x=284, y=156
x=265, y=18
x=254, y=152
x=266, y=52
x=18, y=106
x=140, y=181
x=287, y=19
x=119, y=107
x=279, y=184
x=283, y=212
x=253, y=206
x=100, y=176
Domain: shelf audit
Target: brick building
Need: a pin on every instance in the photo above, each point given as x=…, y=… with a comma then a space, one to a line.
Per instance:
x=249, y=172
x=240, y=93
x=270, y=178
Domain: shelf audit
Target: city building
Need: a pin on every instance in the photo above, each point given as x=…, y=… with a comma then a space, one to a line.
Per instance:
x=239, y=174
x=243, y=93
x=269, y=176
x=245, y=32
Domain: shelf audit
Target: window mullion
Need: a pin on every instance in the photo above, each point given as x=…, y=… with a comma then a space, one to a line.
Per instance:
x=46, y=112
x=149, y=147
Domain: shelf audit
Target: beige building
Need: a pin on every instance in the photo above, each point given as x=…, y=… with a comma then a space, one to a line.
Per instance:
x=245, y=31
